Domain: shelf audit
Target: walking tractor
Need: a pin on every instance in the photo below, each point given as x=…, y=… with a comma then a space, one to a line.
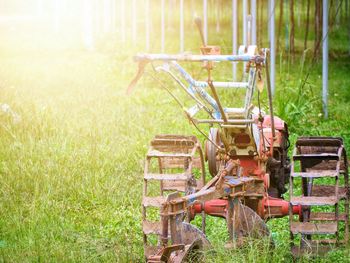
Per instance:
x=246, y=151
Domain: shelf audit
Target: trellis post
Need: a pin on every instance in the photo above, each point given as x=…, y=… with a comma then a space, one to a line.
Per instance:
x=205, y=18
x=325, y=59
x=234, y=36
x=271, y=20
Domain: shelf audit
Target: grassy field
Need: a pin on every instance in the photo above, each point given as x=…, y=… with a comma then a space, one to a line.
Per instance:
x=71, y=167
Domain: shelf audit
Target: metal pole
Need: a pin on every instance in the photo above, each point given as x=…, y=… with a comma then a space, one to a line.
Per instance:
x=325, y=59
x=218, y=11
x=249, y=29
x=269, y=91
x=348, y=20
x=182, y=44
x=244, y=26
x=244, y=15
x=253, y=14
x=171, y=8
x=134, y=21
x=205, y=16
x=147, y=23
x=268, y=19
x=162, y=44
x=272, y=44
x=234, y=36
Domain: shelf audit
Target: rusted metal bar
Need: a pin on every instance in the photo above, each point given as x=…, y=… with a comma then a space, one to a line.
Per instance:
x=242, y=121
x=199, y=25
x=229, y=218
x=269, y=92
x=165, y=224
x=309, y=228
x=317, y=141
x=216, y=97
x=175, y=224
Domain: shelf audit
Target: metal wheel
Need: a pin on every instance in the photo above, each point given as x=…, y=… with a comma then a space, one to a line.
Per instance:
x=211, y=152
x=167, y=156
x=319, y=163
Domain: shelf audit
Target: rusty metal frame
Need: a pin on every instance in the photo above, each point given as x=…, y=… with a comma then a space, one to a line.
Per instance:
x=319, y=157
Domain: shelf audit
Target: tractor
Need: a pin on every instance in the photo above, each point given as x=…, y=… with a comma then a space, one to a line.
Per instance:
x=246, y=153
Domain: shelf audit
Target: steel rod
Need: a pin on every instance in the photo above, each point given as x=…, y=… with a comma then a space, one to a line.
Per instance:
x=198, y=58
x=219, y=84
x=162, y=23
x=205, y=18
x=199, y=25
x=325, y=59
x=216, y=97
x=182, y=37
x=234, y=36
x=269, y=93
x=244, y=26
x=243, y=121
x=191, y=94
x=253, y=15
x=272, y=45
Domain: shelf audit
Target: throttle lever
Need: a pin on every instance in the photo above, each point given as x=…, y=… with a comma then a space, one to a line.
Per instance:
x=198, y=22
x=140, y=71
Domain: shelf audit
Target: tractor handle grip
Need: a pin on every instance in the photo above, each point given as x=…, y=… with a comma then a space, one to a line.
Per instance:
x=198, y=58
x=198, y=22
x=141, y=70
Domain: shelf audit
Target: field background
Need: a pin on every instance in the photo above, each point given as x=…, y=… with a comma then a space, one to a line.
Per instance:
x=71, y=162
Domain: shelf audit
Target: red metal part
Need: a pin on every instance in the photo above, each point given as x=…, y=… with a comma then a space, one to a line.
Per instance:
x=279, y=123
x=272, y=207
x=249, y=165
x=211, y=50
x=216, y=207
x=268, y=138
x=276, y=207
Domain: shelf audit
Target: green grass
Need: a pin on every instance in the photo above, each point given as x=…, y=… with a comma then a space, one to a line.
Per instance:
x=71, y=170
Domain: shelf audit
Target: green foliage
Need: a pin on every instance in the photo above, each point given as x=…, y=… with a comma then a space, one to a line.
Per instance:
x=71, y=170
x=298, y=100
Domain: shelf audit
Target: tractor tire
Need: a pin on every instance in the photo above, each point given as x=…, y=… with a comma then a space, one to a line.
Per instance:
x=211, y=152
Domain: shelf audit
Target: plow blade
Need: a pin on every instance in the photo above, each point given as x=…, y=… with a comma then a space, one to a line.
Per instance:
x=194, y=242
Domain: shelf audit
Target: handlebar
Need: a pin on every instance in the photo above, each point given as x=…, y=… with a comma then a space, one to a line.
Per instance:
x=199, y=58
